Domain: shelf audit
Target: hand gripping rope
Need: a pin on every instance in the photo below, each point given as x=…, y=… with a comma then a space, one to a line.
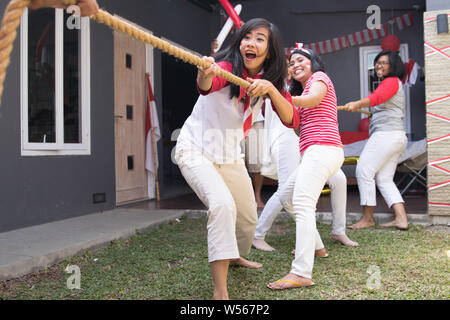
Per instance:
x=14, y=11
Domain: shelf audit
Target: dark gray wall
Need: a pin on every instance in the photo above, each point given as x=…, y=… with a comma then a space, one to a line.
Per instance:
x=36, y=190
x=39, y=189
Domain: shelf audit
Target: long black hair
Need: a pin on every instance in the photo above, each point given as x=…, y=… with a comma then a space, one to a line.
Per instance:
x=296, y=88
x=396, y=66
x=275, y=69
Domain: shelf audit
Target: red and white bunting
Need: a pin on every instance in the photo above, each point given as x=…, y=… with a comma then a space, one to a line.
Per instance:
x=404, y=21
x=359, y=37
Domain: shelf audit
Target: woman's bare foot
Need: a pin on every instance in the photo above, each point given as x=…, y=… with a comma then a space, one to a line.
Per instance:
x=260, y=244
x=401, y=219
x=241, y=262
x=321, y=253
x=363, y=223
x=397, y=223
x=290, y=281
x=220, y=295
x=342, y=238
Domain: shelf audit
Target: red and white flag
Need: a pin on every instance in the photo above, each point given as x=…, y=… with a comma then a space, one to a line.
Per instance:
x=151, y=121
x=404, y=21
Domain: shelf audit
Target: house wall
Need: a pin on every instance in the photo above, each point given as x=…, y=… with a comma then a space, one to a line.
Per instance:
x=437, y=67
x=39, y=189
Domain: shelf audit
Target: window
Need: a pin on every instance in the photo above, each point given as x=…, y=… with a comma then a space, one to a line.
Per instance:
x=55, y=84
x=369, y=81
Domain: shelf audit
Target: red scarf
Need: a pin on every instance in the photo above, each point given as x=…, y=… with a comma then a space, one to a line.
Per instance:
x=248, y=112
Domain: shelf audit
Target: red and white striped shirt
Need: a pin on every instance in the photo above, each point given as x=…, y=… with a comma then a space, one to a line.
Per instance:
x=318, y=125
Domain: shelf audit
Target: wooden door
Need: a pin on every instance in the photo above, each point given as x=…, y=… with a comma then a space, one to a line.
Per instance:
x=129, y=118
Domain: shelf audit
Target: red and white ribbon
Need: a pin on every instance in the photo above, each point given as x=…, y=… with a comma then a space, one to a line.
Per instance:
x=438, y=117
x=431, y=102
x=429, y=53
x=438, y=204
x=439, y=185
x=433, y=162
x=439, y=139
x=404, y=21
x=431, y=19
x=441, y=52
x=440, y=169
x=360, y=37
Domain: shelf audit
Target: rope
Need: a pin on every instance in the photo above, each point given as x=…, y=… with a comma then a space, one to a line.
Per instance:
x=117, y=24
x=340, y=108
x=8, y=33
x=14, y=11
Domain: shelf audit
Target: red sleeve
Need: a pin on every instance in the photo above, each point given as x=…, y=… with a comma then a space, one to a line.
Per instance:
x=296, y=115
x=385, y=91
x=218, y=82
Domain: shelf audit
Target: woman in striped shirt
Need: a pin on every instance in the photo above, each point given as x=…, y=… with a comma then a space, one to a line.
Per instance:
x=322, y=155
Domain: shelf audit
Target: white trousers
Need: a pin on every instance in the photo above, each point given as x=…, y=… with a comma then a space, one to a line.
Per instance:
x=227, y=192
x=377, y=164
x=288, y=159
x=318, y=164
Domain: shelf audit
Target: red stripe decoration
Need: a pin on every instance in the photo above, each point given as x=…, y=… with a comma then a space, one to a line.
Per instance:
x=439, y=185
x=438, y=161
x=437, y=50
x=355, y=39
x=440, y=168
x=436, y=116
x=409, y=18
x=378, y=33
x=439, y=204
x=333, y=47
x=345, y=42
x=431, y=141
x=384, y=29
x=431, y=19
x=428, y=103
x=429, y=53
x=369, y=35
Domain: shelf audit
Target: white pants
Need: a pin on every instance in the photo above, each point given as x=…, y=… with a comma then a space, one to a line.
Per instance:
x=377, y=164
x=288, y=159
x=318, y=164
x=227, y=192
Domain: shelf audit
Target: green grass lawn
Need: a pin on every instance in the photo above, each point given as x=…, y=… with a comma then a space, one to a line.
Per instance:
x=170, y=262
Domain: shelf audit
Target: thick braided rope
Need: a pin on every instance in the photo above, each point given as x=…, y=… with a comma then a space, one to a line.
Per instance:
x=117, y=24
x=8, y=33
x=340, y=108
x=14, y=11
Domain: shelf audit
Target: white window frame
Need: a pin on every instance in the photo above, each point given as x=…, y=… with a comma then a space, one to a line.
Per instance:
x=364, y=82
x=58, y=147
